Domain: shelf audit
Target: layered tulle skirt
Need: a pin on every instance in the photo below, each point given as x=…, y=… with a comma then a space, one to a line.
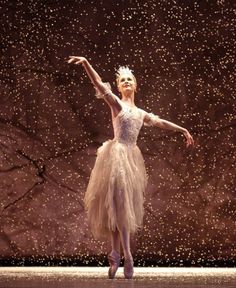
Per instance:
x=115, y=192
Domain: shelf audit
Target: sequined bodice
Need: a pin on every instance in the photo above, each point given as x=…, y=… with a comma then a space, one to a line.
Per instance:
x=127, y=125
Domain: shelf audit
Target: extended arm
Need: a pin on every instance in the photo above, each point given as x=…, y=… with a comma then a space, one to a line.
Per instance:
x=171, y=126
x=164, y=124
x=95, y=78
x=154, y=120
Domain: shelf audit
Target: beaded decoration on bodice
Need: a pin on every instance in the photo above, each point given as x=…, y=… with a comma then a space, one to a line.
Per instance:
x=129, y=120
x=127, y=125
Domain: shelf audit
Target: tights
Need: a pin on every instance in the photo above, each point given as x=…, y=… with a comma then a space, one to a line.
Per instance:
x=121, y=236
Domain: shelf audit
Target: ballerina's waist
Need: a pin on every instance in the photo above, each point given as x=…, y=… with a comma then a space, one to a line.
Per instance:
x=128, y=143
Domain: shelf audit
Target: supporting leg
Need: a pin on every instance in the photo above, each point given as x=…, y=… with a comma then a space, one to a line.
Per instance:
x=128, y=263
x=125, y=241
x=114, y=256
x=115, y=241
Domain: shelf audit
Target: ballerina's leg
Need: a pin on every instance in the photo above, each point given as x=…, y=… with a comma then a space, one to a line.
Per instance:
x=128, y=263
x=114, y=256
x=115, y=241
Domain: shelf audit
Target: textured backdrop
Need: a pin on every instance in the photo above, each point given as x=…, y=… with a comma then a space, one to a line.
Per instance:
x=51, y=124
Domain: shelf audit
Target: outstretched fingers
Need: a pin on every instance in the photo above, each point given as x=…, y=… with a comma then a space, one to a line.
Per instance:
x=76, y=59
x=70, y=60
x=190, y=140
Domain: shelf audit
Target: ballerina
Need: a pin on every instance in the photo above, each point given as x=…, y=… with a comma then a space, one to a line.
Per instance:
x=114, y=196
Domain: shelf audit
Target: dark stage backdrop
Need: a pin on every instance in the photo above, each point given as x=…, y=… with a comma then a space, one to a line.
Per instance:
x=51, y=124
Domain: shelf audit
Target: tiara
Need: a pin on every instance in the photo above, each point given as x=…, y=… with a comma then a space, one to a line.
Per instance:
x=123, y=70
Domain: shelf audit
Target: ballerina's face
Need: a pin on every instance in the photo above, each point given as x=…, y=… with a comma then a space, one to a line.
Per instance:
x=126, y=82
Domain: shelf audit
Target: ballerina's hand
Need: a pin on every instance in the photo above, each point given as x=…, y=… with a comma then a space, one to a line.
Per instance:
x=76, y=59
x=189, y=138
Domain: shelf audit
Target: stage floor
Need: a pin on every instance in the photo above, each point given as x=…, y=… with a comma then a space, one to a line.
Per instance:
x=84, y=277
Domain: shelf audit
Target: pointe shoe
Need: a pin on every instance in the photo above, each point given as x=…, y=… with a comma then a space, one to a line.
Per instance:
x=128, y=268
x=114, y=261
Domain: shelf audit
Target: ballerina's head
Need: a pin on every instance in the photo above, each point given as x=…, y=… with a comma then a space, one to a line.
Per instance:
x=125, y=79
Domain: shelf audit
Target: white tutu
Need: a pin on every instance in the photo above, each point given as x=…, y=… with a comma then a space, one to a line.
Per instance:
x=114, y=196
x=115, y=193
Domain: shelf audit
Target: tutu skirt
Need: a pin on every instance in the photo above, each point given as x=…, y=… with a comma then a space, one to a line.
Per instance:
x=115, y=192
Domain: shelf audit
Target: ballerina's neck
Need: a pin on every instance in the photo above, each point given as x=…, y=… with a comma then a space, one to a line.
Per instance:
x=129, y=105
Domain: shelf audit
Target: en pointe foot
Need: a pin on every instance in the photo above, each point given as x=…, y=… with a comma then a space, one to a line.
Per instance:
x=114, y=261
x=129, y=268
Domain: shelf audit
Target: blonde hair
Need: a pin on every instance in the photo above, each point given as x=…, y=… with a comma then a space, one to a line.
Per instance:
x=124, y=70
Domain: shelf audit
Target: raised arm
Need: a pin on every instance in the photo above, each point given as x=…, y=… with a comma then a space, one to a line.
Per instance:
x=153, y=120
x=95, y=79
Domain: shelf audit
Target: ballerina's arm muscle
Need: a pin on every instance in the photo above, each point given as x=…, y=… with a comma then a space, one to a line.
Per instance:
x=95, y=79
x=155, y=120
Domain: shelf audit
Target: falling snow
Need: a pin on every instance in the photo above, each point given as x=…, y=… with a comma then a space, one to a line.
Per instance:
x=183, y=56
